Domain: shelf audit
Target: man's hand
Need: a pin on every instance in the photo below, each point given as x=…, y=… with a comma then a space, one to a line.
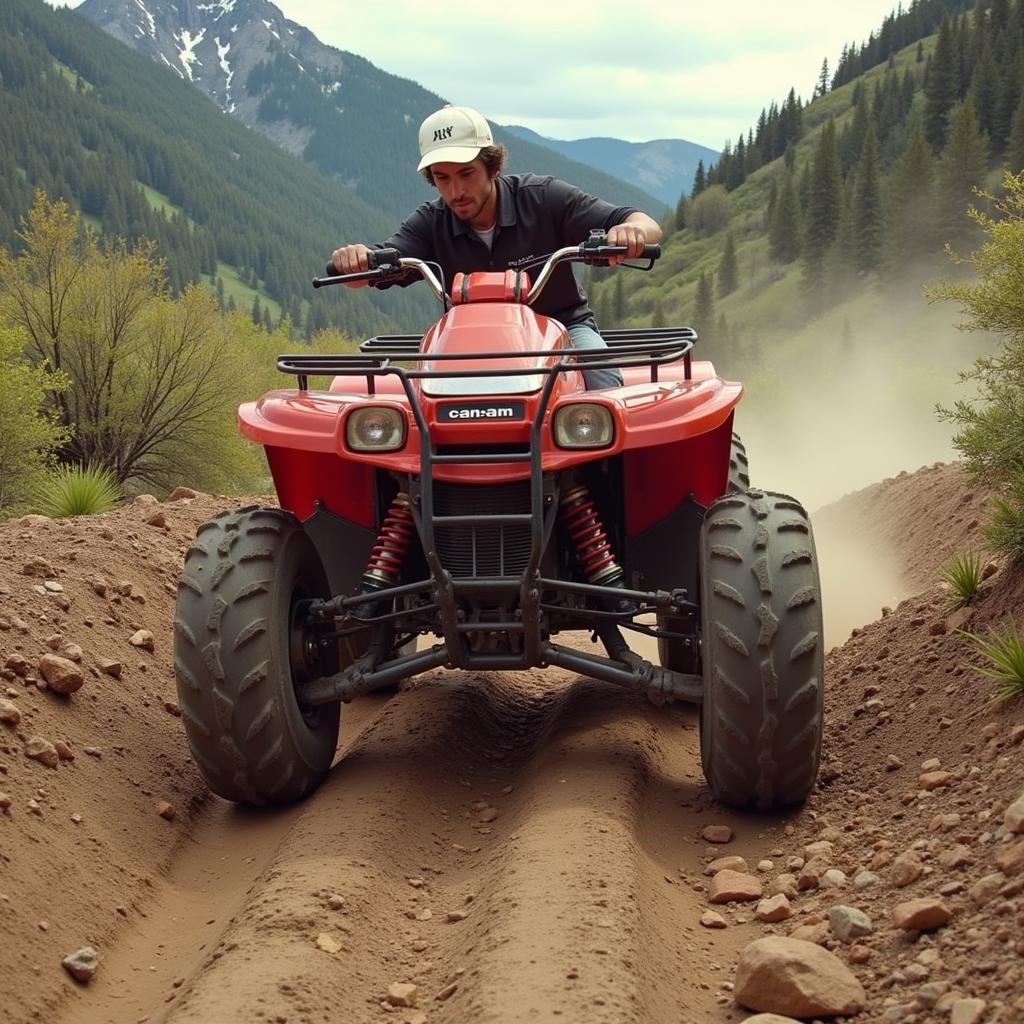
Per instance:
x=352, y=259
x=633, y=236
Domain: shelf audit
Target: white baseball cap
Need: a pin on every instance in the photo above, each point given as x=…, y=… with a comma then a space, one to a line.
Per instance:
x=453, y=135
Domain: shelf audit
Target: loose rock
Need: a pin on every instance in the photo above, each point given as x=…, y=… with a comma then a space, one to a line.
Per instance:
x=143, y=639
x=967, y=1011
x=732, y=886
x=43, y=751
x=774, y=909
x=849, y=923
x=9, y=713
x=716, y=834
x=109, y=667
x=82, y=964
x=401, y=994
x=61, y=675
x=921, y=915
x=794, y=978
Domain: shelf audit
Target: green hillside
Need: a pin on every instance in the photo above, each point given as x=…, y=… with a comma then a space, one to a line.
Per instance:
x=880, y=169
x=837, y=216
x=141, y=153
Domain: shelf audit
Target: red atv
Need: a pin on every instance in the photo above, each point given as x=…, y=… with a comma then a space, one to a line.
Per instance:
x=463, y=485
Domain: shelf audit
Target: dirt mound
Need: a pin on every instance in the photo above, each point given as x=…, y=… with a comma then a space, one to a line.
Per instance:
x=888, y=541
x=517, y=847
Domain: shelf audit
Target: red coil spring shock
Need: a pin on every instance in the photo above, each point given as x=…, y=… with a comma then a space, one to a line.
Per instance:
x=396, y=534
x=579, y=514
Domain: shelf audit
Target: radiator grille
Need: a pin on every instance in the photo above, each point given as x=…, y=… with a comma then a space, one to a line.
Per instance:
x=483, y=549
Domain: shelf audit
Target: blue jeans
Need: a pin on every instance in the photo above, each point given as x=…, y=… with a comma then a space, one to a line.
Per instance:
x=586, y=338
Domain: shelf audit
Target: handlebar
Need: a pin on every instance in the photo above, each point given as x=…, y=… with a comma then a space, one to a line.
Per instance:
x=388, y=265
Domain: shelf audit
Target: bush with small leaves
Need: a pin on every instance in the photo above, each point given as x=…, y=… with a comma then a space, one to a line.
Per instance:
x=1005, y=529
x=1003, y=651
x=77, y=491
x=962, y=573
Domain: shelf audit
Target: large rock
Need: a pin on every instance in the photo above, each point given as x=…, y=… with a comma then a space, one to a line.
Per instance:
x=1013, y=819
x=796, y=979
x=921, y=915
x=733, y=886
x=61, y=675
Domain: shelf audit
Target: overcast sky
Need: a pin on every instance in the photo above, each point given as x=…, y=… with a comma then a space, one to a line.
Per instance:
x=632, y=69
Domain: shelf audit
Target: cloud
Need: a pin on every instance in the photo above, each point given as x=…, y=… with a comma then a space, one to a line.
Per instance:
x=638, y=71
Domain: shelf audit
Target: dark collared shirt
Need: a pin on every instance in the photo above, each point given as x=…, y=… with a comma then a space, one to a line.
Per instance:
x=536, y=216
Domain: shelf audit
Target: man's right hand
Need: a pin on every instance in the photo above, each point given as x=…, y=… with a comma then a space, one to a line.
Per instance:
x=352, y=259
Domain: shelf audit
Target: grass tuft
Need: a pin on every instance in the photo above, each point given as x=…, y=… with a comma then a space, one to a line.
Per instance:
x=77, y=491
x=1003, y=651
x=963, y=575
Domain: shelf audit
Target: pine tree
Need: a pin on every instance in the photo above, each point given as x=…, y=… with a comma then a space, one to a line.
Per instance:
x=823, y=79
x=784, y=231
x=658, y=314
x=680, y=217
x=867, y=207
x=942, y=88
x=962, y=168
x=919, y=57
x=619, y=302
x=728, y=269
x=700, y=181
x=910, y=208
x=704, y=309
x=985, y=90
x=824, y=204
x=257, y=311
x=1015, y=148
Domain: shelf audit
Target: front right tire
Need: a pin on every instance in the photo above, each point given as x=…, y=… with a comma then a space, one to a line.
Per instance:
x=762, y=649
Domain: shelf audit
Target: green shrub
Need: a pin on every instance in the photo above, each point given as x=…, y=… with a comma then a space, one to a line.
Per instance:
x=1003, y=651
x=1005, y=530
x=963, y=575
x=77, y=491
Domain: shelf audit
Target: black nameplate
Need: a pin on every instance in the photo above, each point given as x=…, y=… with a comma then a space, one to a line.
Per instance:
x=480, y=412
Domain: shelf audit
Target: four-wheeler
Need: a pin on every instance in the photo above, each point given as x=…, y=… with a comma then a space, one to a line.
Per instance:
x=464, y=487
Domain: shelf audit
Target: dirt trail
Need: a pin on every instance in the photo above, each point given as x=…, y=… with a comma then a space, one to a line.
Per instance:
x=578, y=893
x=558, y=819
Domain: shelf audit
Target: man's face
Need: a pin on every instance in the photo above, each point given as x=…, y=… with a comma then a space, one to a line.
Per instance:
x=467, y=189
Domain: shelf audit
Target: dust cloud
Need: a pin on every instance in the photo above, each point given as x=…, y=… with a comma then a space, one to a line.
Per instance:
x=846, y=406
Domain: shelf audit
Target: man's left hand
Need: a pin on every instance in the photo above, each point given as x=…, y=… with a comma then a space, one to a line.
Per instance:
x=632, y=236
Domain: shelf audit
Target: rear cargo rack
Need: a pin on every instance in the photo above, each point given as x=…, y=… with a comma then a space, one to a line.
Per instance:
x=378, y=357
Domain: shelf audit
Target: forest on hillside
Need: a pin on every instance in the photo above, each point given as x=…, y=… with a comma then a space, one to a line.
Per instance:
x=142, y=154
x=859, y=185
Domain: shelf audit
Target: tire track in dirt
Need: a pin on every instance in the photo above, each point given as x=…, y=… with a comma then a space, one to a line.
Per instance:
x=578, y=897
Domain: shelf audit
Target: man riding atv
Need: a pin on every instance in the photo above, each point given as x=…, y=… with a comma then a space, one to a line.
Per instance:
x=486, y=220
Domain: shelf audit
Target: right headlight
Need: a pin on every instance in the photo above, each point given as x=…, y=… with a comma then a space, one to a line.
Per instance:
x=584, y=425
x=375, y=429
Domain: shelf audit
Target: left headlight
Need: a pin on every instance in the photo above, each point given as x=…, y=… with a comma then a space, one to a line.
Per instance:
x=375, y=429
x=582, y=425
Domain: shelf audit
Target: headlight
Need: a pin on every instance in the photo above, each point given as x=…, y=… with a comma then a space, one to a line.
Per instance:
x=375, y=430
x=581, y=425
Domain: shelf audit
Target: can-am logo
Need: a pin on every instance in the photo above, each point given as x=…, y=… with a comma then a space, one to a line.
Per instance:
x=469, y=412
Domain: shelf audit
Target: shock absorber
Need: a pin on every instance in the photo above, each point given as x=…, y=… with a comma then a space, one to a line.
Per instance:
x=580, y=517
x=385, y=565
x=392, y=546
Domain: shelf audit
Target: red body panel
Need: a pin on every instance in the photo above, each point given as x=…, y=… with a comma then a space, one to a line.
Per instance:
x=302, y=478
x=659, y=478
x=675, y=432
